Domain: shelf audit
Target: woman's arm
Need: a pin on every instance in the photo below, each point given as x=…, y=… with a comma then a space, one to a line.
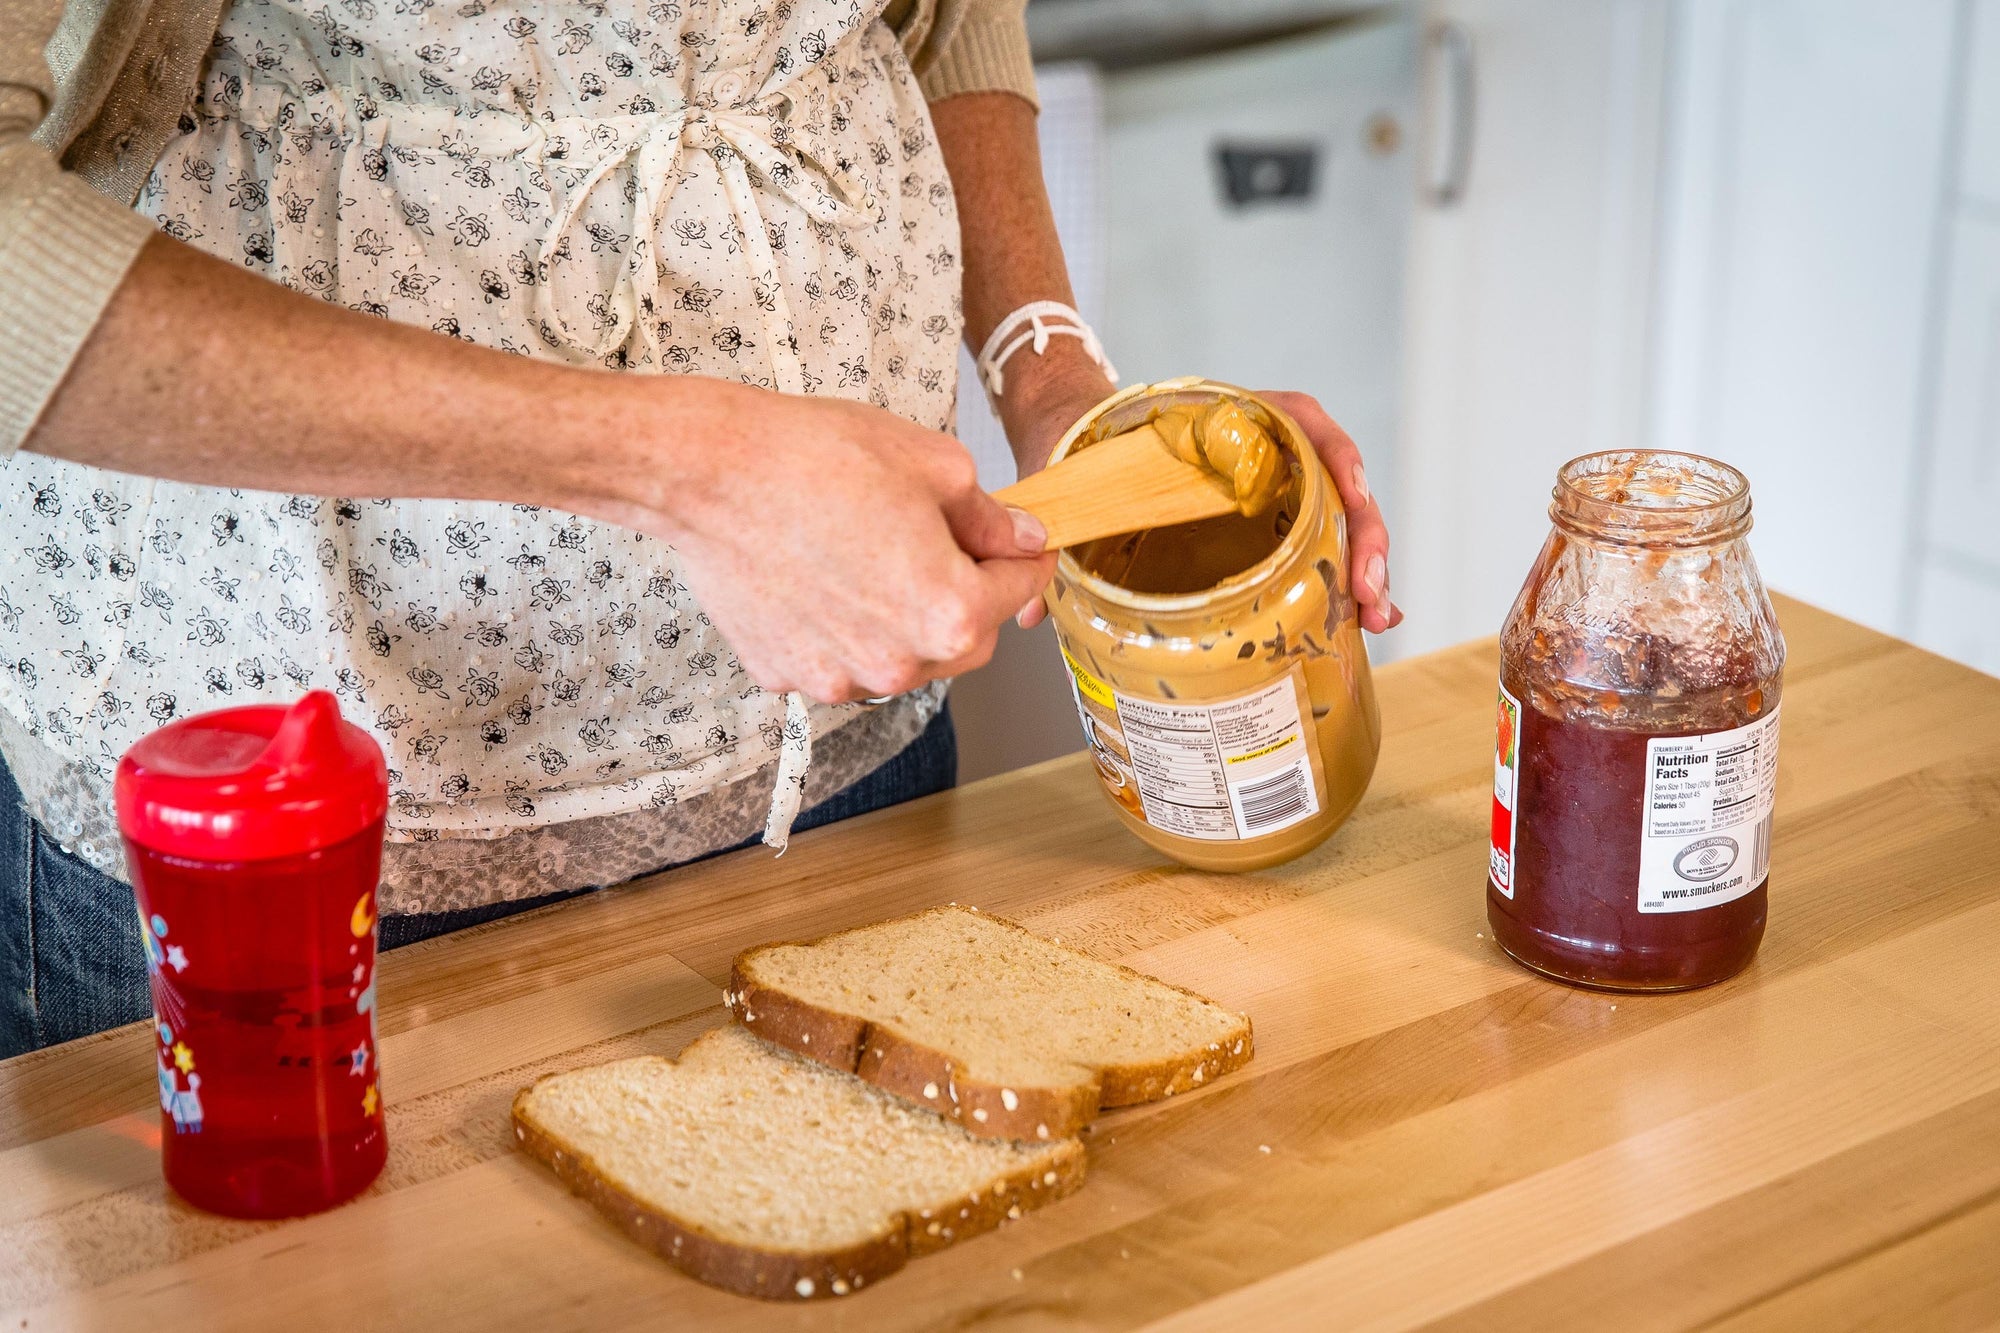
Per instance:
x=844, y=551
x=1012, y=257
x=201, y=372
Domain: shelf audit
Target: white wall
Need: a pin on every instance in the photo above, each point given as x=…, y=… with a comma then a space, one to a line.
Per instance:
x=1530, y=299
x=1954, y=575
x=1806, y=165
x=1763, y=230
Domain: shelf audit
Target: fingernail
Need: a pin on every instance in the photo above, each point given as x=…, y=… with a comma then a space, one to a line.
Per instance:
x=1376, y=576
x=1029, y=534
x=1361, y=484
x=1021, y=617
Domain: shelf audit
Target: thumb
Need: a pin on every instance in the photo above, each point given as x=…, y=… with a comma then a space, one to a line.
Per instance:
x=1006, y=584
x=985, y=529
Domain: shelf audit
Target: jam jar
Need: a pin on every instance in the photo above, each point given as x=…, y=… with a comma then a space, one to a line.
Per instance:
x=1218, y=666
x=1637, y=744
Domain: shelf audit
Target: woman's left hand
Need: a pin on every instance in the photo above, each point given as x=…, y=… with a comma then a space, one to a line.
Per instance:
x=1045, y=396
x=1060, y=399
x=1367, y=534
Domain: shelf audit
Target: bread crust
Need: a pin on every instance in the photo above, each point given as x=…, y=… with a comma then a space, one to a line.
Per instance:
x=748, y=1271
x=900, y=1064
x=800, y=1275
x=911, y=1070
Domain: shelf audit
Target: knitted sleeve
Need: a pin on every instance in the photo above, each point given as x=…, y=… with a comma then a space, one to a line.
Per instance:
x=967, y=46
x=64, y=247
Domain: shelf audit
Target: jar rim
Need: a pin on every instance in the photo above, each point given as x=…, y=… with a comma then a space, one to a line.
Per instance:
x=1695, y=500
x=1314, y=485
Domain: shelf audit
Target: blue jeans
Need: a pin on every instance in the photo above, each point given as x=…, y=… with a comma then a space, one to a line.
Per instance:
x=70, y=958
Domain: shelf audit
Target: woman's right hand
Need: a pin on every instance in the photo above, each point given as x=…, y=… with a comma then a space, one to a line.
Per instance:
x=843, y=551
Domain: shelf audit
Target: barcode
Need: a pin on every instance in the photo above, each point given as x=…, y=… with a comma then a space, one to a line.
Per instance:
x=1283, y=798
x=1760, y=851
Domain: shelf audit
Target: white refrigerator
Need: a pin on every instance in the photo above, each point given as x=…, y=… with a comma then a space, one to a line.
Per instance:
x=1257, y=209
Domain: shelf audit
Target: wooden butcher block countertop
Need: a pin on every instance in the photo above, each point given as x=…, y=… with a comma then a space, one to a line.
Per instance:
x=1429, y=1134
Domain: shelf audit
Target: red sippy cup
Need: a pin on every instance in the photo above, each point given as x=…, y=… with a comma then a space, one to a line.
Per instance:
x=254, y=838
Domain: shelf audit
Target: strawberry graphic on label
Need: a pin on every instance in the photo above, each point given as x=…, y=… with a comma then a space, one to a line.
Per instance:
x=1506, y=787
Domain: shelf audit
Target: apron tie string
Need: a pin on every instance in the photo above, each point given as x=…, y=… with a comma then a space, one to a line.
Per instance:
x=794, y=758
x=827, y=193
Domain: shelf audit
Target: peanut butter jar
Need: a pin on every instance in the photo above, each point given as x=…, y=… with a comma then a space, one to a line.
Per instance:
x=1218, y=666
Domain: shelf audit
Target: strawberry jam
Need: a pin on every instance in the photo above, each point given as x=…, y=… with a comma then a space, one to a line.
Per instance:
x=1636, y=743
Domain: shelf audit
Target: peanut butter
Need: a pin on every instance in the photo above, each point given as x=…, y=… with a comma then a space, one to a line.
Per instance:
x=1219, y=666
x=1224, y=439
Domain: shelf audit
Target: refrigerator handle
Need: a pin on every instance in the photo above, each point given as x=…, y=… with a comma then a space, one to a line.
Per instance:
x=1448, y=141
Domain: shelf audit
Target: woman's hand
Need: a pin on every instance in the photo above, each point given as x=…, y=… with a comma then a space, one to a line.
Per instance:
x=1051, y=402
x=843, y=551
x=1367, y=534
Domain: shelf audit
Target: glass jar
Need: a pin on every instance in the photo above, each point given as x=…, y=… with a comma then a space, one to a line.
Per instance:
x=1636, y=760
x=1218, y=666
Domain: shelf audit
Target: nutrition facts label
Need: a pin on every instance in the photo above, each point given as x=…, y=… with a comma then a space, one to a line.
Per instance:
x=1240, y=768
x=1708, y=816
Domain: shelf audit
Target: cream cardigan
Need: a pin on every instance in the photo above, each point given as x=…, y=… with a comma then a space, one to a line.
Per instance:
x=91, y=90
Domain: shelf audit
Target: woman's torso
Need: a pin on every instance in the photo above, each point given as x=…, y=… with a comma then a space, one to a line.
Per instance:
x=711, y=187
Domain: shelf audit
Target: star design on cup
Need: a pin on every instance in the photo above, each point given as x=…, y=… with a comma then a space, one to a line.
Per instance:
x=177, y=958
x=370, y=1100
x=183, y=1057
x=357, y=1059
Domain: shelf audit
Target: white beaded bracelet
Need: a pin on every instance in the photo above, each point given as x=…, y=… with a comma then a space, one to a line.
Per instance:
x=1005, y=341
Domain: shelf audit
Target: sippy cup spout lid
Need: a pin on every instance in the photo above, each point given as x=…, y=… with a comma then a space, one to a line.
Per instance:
x=309, y=729
x=246, y=784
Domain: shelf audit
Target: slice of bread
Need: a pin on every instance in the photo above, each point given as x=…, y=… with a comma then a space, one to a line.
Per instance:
x=756, y=1171
x=1008, y=1034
